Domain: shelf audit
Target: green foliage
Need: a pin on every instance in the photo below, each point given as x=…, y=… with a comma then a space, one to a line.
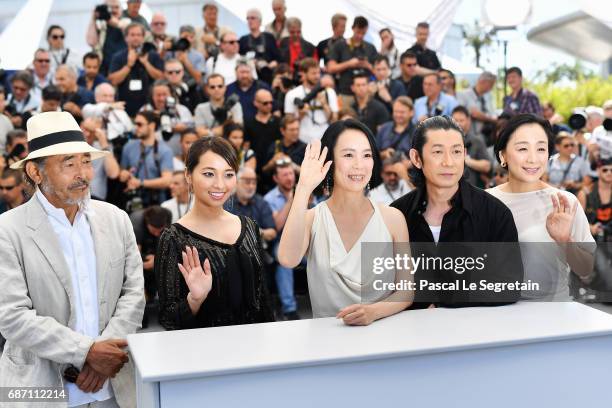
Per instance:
x=592, y=91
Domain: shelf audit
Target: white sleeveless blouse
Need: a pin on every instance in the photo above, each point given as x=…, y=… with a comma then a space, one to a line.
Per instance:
x=335, y=278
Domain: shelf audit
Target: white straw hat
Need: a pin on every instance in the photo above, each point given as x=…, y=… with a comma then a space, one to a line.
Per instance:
x=55, y=133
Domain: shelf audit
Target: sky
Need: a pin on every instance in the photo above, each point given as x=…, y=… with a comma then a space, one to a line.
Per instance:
x=529, y=56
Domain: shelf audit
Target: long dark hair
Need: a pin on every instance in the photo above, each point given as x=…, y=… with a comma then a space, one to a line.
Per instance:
x=420, y=138
x=329, y=140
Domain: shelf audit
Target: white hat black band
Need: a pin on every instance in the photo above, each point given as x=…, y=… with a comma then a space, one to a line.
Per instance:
x=55, y=138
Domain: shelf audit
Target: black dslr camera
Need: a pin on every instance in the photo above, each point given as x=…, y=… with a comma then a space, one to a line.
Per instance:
x=301, y=102
x=182, y=44
x=102, y=12
x=220, y=114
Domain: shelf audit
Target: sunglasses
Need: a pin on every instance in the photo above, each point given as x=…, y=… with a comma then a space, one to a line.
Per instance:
x=216, y=86
x=283, y=162
x=7, y=188
x=231, y=42
x=158, y=23
x=139, y=124
x=604, y=170
x=565, y=146
x=176, y=72
x=411, y=65
x=58, y=37
x=266, y=102
x=43, y=61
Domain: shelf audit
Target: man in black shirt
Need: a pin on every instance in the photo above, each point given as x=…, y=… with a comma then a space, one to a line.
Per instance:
x=425, y=57
x=413, y=83
x=444, y=208
x=261, y=132
x=369, y=111
x=338, y=22
x=348, y=58
x=133, y=70
x=260, y=46
x=289, y=149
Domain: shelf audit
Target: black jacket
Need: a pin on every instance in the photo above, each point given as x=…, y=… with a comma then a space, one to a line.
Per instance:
x=477, y=224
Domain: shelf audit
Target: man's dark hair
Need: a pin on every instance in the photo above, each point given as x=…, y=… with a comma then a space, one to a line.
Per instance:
x=449, y=72
x=516, y=70
x=25, y=77
x=188, y=131
x=15, y=134
x=407, y=54
x=157, y=217
x=330, y=138
x=360, y=75
x=287, y=120
x=14, y=173
x=420, y=138
x=423, y=24
x=91, y=55
x=461, y=109
x=381, y=58
x=51, y=93
x=516, y=122
x=54, y=27
x=211, y=5
x=150, y=117
x=435, y=74
x=308, y=63
x=360, y=22
x=215, y=144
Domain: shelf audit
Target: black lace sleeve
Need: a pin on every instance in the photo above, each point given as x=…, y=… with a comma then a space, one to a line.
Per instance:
x=174, y=311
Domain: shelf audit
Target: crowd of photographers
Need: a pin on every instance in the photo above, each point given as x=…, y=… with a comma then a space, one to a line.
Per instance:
x=146, y=95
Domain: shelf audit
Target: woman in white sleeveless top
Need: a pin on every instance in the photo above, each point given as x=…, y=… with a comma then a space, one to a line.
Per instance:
x=549, y=219
x=331, y=234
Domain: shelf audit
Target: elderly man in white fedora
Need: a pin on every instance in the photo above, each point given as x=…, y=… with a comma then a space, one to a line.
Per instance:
x=71, y=277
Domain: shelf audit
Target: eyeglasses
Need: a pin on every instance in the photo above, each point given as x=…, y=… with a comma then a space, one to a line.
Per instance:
x=7, y=188
x=58, y=37
x=410, y=65
x=248, y=180
x=43, y=61
x=20, y=88
x=604, y=170
x=174, y=71
x=158, y=23
x=565, y=146
x=231, y=42
x=252, y=18
x=216, y=86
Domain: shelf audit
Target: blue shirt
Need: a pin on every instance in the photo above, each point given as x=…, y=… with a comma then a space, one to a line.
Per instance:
x=387, y=137
x=276, y=199
x=257, y=209
x=443, y=106
x=99, y=79
x=246, y=97
x=153, y=164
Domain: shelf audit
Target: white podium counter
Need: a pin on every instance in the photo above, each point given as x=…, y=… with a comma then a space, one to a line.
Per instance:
x=527, y=354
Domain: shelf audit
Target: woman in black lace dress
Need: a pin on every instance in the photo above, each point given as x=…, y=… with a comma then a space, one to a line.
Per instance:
x=209, y=263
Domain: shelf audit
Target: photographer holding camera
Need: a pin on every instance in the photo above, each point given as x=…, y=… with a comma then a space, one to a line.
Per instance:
x=105, y=32
x=134, y=69
x=115, y=120
x=174, y=118
x=193, y=61
x=22, y=101
x=315, y=106
x=210, y=116
x=260, y=46
x=186, y=91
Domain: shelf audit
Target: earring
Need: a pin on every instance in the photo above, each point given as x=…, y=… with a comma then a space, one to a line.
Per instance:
x=503, y=164
x=328, y=184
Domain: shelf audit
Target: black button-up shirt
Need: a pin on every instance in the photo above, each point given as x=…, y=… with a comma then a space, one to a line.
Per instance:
x=475, y=216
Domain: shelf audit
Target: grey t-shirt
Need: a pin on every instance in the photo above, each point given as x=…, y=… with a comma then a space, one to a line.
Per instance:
x=204, y=115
